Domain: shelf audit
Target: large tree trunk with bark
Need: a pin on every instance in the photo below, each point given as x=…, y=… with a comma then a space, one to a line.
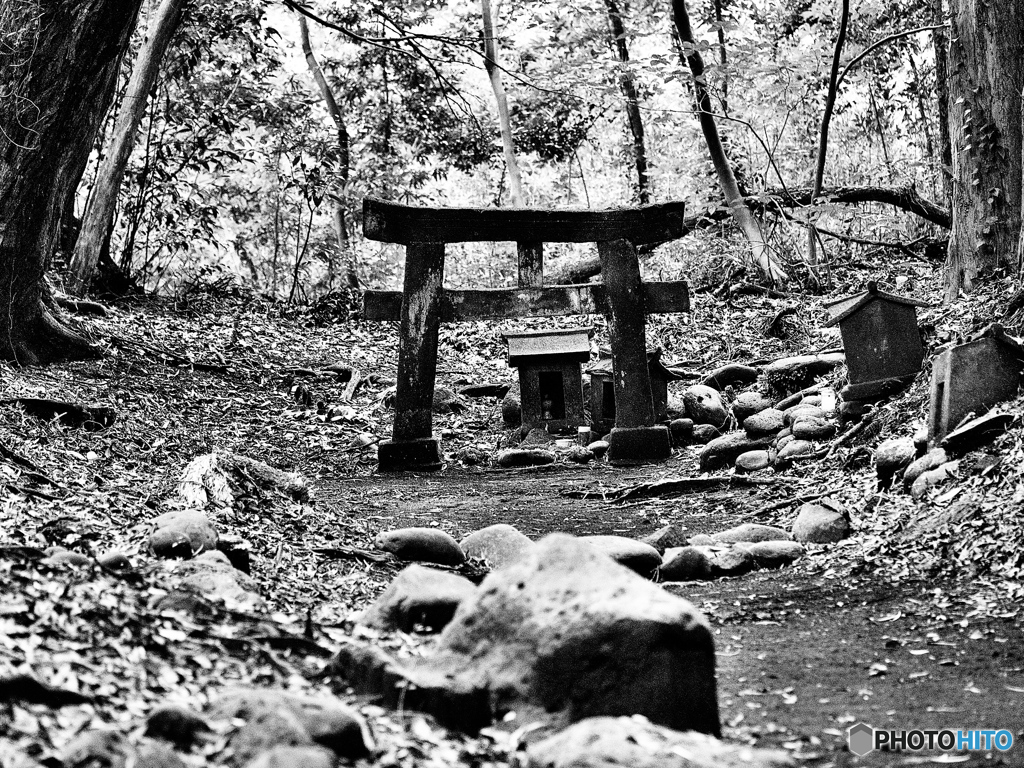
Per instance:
x=986, y=69
x=58, y=70
x=99, y=215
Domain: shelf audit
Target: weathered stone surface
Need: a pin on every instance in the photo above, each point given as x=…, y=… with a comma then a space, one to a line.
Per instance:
x=156, y=754
x=682, y=431
x=685, y=564
x=893, y=456
x=936, y=457
x=632, y=742
x=813, y=428
x=933, y=477
x=524, y=457
x=822, y=522
x=538, y=438
x=752, y=461
x=512, y=408
x=790, y=374
x=751, y=532
x=774, y=554
x=212, y=575
x=473, y=456
x=794, y=449
x=102, y=747
x=747, y=404
x=705, y=433
x=579, y=455
x=182, y=533
x=178, y=725
x=500, y=545
x=766, y=422
x=977, y=432
x=636, y=555
x=704, y=405
x=723, y=451
x=425, y=545
x=295, y=757
x=731, y=375
x=701, y=540
x=800, y=410
x=564, y=633
x=667, y=537
x=63, y=556
x=418, y=596
x=599, y=448
x=278, y=718
x=729, y=560
x=115, y=561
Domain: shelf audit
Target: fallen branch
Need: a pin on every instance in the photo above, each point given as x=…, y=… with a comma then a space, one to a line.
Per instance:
x=342, y=552
x=670, y=487
x=17, y=458
x=25, y=689
x=173, y=358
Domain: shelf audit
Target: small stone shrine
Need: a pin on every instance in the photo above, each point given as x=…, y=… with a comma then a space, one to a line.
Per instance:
x=972, y=377
x=882, y=341
x=602, y=393
x=550, y=378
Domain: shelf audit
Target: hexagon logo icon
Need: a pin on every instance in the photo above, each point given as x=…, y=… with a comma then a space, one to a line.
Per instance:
x=861, y=739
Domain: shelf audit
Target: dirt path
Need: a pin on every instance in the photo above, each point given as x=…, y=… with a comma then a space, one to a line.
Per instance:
x=803, y=653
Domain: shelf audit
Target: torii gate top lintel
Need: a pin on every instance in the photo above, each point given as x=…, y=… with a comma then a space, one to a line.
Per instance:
x=389, y=222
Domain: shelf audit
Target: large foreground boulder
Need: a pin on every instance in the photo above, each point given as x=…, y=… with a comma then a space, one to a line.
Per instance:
x=564, y=634
x=615, y=742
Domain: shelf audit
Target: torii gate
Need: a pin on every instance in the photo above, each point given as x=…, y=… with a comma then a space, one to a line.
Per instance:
x=424, y=304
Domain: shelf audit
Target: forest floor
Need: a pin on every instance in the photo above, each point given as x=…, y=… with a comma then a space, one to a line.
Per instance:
x=893, y=627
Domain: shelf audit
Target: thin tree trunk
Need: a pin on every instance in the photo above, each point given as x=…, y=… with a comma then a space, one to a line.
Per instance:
x=760, y=254
x=99, y=215
x=515, y=181
x=627, y=84
x=58, y=71
x=986, y=69
x=940, y=42
x=344, y=154
x=826, y=119
x=723, y=56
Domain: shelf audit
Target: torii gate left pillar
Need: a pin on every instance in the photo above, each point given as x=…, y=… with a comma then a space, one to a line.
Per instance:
x=424, y=304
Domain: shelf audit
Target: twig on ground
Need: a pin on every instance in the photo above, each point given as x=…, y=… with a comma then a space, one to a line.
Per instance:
x=802, y=499
x=669, y=487
x=173, y=357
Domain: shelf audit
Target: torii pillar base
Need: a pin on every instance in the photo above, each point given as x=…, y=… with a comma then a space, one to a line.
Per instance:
x=420, y=455
x=629, y=446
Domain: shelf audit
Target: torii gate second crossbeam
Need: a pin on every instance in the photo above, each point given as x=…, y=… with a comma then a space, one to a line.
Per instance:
x=424, y=304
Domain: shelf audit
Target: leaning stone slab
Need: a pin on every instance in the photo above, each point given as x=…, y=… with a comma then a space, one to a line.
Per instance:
x=499, y=545
x=823, y=522
x=279, y=718
x=564, y=634
x=639, y=557
x=418, y=596
x=752, y=532
x=427, y=545
x=723, y=451
x=635, y=742
x=182, y=533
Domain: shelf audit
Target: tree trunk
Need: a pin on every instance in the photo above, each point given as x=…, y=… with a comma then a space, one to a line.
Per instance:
x=986, y=69
x=627, y=84
x=344, y=155
x=760, y=254
x=515, y=181
x=940, y=42
x=99, y=216
x=58, y=72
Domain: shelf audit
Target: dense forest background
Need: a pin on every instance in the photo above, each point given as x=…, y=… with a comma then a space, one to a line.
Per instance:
x=238, y=170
